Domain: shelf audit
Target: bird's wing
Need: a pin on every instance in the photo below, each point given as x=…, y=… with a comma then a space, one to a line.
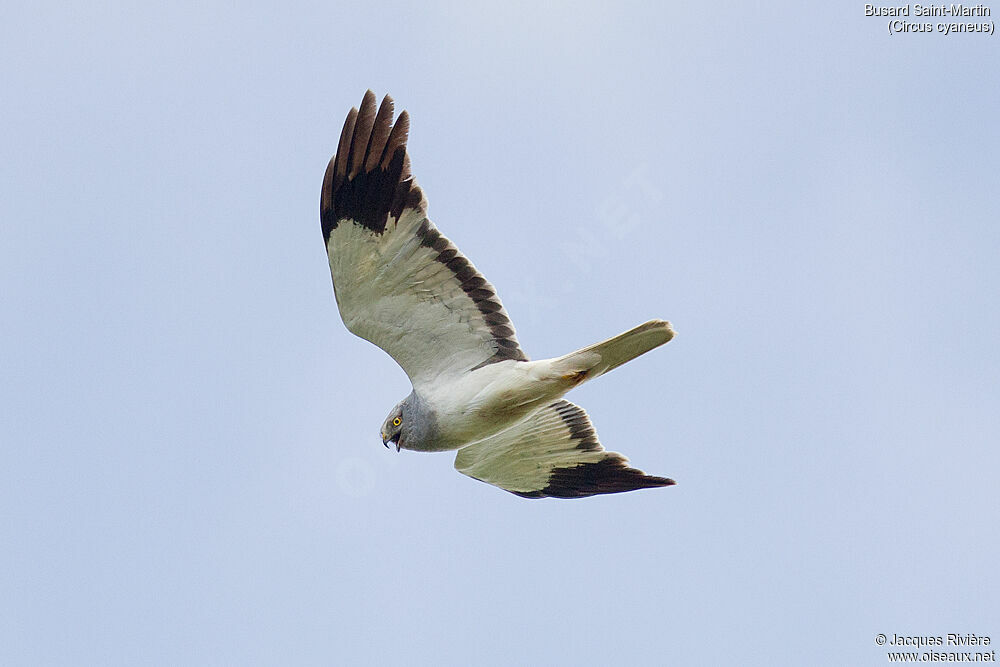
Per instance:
x=399, y=283
x=554, y=453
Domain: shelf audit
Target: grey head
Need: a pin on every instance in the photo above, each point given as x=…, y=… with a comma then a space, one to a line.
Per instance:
x=409, y=425
x=392, y=427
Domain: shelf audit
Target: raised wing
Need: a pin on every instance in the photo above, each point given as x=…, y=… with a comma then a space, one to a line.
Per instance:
x=554, y=453
x=399, y=283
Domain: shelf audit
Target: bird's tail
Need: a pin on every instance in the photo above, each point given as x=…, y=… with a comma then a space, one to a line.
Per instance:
x=599, y=358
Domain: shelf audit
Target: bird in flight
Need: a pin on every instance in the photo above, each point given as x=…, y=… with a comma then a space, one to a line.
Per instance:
x=402, y=285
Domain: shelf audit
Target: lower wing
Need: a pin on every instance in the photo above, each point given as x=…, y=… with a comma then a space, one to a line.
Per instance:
x=554, y=453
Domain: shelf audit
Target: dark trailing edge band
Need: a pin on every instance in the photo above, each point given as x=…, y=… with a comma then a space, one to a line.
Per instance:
x=579, y=425
x=609, y=475
x=369, y=180
x=477, y=288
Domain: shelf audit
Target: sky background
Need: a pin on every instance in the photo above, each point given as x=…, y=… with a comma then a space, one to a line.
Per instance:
x=191, y=471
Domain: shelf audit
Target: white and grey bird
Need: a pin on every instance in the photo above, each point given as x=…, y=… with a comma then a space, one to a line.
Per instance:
x=406, y=288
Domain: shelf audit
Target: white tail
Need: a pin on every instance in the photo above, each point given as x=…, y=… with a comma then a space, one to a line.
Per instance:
x=599, y=358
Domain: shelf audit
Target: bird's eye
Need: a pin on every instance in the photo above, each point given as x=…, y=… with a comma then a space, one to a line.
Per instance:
x=397, y=421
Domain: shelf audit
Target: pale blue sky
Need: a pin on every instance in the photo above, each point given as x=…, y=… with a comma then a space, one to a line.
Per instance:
x=191, y=469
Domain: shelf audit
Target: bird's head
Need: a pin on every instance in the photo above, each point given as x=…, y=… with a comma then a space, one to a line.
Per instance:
x=392, y=427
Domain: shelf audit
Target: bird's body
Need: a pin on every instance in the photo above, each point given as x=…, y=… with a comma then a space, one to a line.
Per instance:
x=403, y=286
x=484, y=402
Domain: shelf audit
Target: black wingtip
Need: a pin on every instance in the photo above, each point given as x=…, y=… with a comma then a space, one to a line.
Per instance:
x=609, y=475
x=368, y=179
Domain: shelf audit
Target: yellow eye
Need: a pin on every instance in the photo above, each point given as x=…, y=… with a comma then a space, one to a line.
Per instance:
x=397, y=421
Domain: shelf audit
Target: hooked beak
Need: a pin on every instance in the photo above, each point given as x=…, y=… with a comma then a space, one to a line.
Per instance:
x=386, y=440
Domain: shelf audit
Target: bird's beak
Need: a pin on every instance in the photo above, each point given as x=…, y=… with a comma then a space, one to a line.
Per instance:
x=386, y=440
